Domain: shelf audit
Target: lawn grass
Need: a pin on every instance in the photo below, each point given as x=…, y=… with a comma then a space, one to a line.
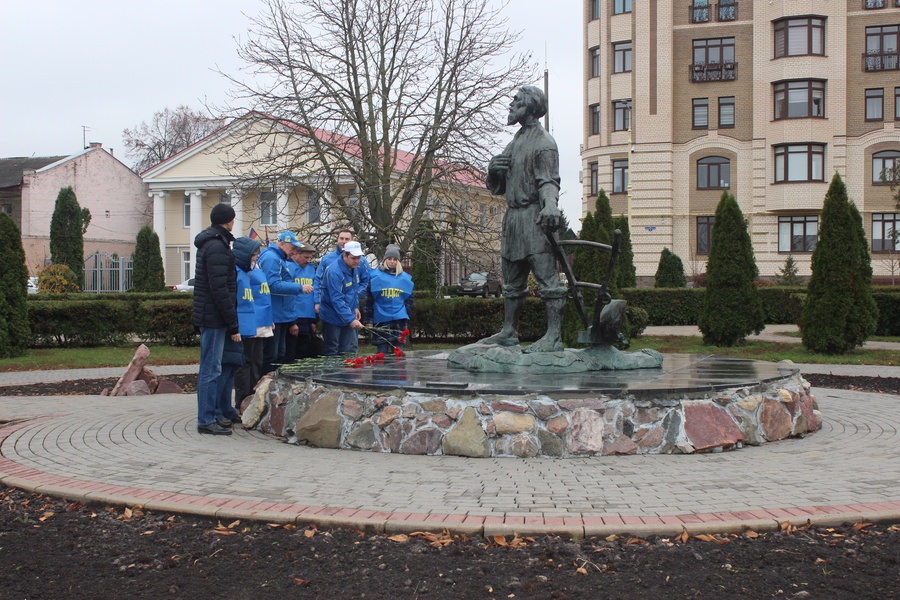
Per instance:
x=77, y=358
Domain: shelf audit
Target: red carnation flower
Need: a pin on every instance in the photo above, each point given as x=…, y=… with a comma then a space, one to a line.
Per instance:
x=380, y=356
x=398, y=352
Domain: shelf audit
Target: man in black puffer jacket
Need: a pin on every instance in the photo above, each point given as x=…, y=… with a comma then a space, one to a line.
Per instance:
x=215, y=314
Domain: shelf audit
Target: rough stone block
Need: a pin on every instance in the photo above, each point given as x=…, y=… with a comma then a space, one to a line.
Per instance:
x=558, y=425
x=388, y=415
x=708, y=426
x=509, y=407
x=138, y=387
x=775, y=420
x=363, y=437
x=585, y=432
x=619, y=445
x=507, y=422
x=434, y=406
x=320, y=426
x=551, y=445
x=523, y=446
x=468, y=437
x=422, y=441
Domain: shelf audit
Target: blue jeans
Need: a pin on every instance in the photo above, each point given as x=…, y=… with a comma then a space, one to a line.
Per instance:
x=224, y=409
x=339, y=339
x=212, y=343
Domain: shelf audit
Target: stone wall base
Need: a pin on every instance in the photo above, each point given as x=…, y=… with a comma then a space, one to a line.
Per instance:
x=491, y=425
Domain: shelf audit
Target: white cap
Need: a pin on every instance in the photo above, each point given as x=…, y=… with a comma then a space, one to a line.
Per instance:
x=353, y=248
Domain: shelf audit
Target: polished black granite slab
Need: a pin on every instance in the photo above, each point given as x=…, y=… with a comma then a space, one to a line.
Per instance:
x=428, y=371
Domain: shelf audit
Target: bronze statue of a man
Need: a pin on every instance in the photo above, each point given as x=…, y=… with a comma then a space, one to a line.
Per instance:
x=528, y=174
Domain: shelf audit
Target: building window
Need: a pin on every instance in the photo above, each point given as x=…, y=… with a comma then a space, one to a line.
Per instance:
x=872, y=4
x=595, y=62
x=897, y=103
x=268, y=209
x=881, y=48
x=704, y=234
x=714, y=51
x=621, y=115
x=186, y=265
x=700, y=119
x=6, y=209
x=799, y=162
x=225, y=198
x=622, y=57
x=700, y=11
x=798, y=234
x=799, y=99
x=713, y=173
x=885, y=232
x=727, y=10
x=186, y=211
x=621, y=7
x=726, y=112
x=884, y=166
x=595, y=9
x=875, y=104
x=595, y=119
x=313, y=206
x=620, y=176
x=800, y=37
x=595, y=179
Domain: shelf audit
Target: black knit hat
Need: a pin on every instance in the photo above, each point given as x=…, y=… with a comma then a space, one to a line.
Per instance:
x=221, y=213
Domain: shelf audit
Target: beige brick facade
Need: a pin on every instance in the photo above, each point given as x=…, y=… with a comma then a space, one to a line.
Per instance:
x=712, y=52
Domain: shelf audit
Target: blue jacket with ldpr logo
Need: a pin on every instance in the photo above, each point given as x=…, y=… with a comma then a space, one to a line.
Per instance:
x=275, y=265
x=340, y=294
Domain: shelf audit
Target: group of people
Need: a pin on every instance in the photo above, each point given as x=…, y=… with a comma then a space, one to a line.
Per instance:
x=260, y=307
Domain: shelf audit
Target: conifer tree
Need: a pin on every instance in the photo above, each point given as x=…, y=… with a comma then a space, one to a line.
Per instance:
x=14, y=329
x=424, y=259
x=148, y=273
x=788, y=275
x=670, y=271
x=67, y=234
x=840, y=313
x=732, y=307
x=626, y=274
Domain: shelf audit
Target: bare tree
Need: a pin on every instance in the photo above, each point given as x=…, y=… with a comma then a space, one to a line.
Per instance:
x=169, y=132
x=402, y=101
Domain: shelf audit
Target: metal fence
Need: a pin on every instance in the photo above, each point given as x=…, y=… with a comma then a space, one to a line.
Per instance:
x=106, y=273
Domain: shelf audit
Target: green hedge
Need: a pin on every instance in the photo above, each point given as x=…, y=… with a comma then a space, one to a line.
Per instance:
x=92, y=319
x=71, y=323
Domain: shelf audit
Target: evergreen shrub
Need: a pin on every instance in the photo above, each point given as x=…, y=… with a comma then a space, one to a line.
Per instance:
x=14, y=328
x=148, y=274
x=67, y=234
x=732, y=308
x=670, y=271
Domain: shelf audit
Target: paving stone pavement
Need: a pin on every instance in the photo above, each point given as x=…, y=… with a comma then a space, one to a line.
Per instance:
x=146, y=450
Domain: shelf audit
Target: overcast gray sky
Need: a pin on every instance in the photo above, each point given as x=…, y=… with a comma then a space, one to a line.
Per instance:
x=108, y=65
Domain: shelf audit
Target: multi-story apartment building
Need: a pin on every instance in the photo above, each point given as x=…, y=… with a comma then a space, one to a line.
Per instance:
x=765, y=99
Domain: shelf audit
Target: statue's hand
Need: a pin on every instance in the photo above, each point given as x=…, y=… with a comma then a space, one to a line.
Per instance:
x=501, y=162
x=548, y=219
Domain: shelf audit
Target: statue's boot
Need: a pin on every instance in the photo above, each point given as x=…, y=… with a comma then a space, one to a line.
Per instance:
x=552, y=340
x=508, y=336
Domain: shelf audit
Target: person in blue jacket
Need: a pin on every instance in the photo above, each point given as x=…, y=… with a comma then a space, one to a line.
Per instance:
x=339, y=307
x=344, y=236
x=301, y=335
x=389, y=301
x=275, y=262
x=252, y=296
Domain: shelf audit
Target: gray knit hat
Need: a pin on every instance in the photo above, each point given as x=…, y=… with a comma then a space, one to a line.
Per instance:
x=392, y=251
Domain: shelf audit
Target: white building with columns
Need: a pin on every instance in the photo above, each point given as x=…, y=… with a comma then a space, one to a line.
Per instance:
x=221, y=168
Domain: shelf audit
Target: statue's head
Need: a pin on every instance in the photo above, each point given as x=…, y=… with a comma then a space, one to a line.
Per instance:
x=535, y=100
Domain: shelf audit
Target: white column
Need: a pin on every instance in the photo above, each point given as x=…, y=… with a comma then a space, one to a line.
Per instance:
x=197, y=224
x=237, y=203
x=159, y=222
x=282, y=210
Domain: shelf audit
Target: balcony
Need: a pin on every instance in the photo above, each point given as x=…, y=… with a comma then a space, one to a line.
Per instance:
x=889, y=60
x=726, y=10
x=703, y=72
x=873, y=4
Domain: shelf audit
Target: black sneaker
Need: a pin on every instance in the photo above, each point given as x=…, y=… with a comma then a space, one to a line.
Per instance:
x=213, y=429
x=223, y=422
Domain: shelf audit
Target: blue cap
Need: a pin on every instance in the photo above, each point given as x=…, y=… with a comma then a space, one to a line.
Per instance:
x=289, y=237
